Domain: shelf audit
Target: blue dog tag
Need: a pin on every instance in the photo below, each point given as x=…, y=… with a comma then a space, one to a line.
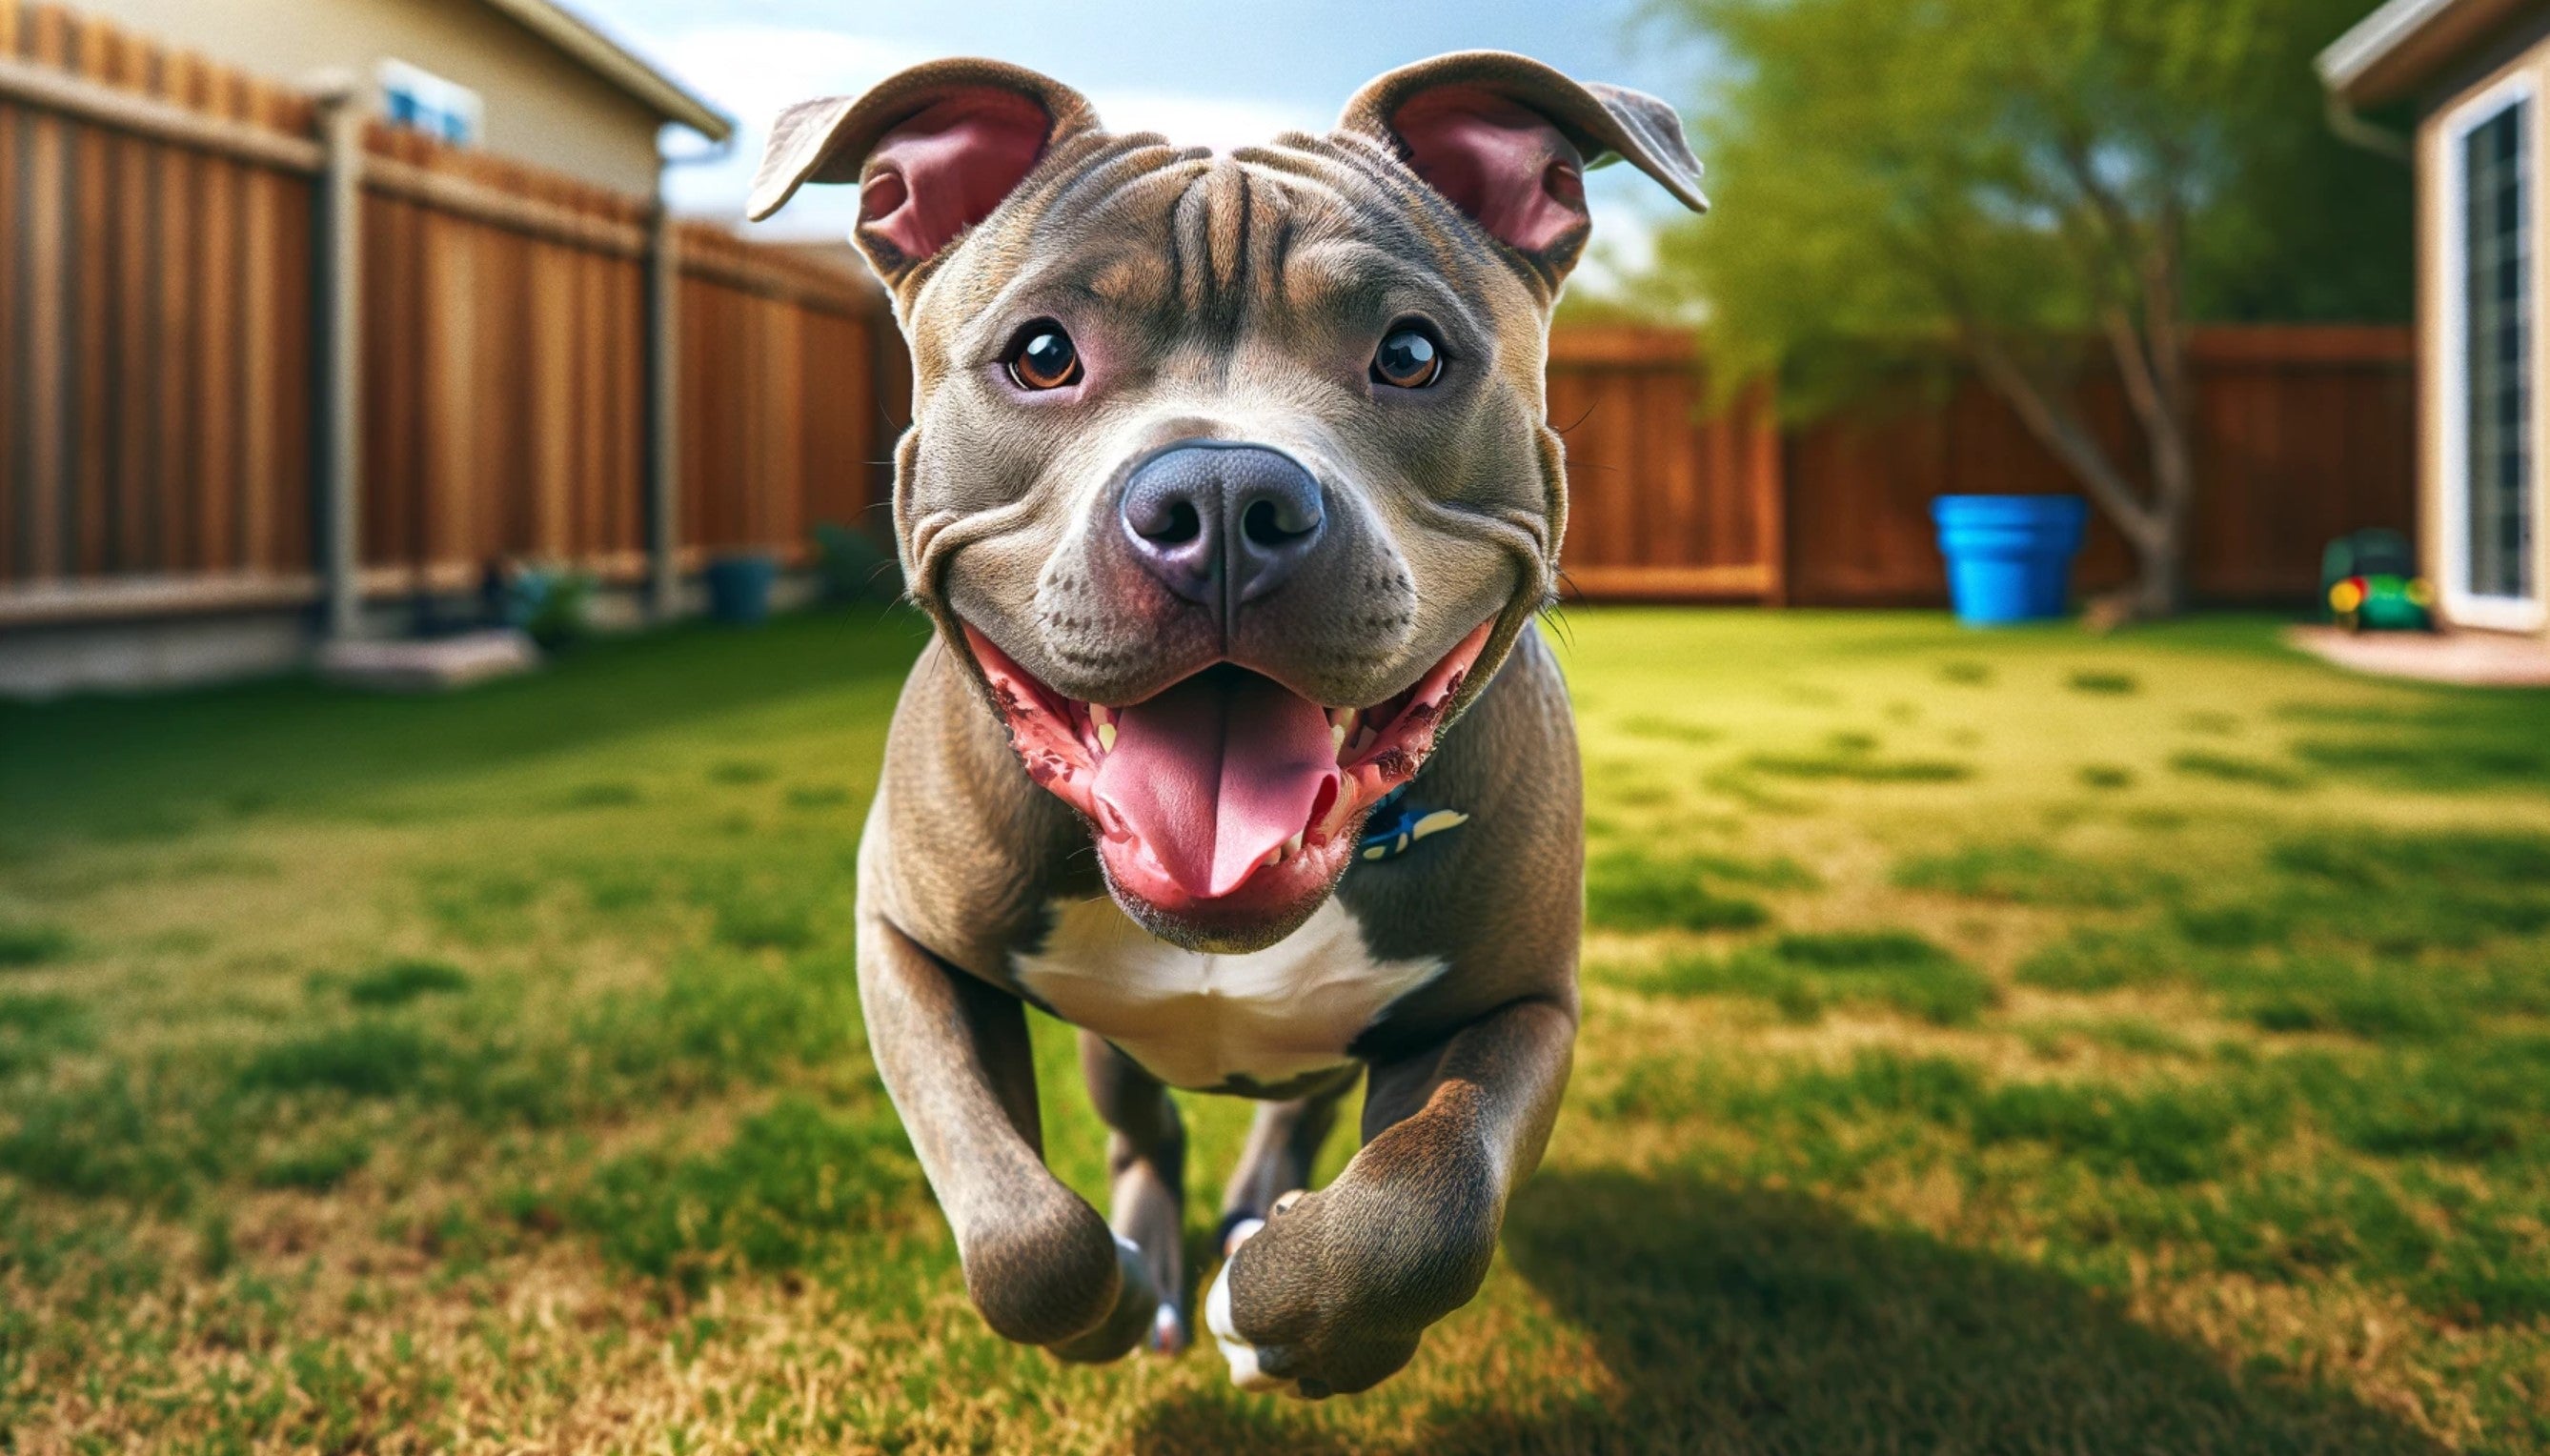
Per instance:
x=1399, y=823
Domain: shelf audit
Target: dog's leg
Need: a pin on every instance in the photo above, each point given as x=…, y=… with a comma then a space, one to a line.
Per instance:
x=1146, y=1160
x=1333, y=1293
x=1040, y=1262
x=1283, y=1142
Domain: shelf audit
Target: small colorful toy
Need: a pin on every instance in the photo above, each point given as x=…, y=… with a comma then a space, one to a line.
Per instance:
x=2371, y=583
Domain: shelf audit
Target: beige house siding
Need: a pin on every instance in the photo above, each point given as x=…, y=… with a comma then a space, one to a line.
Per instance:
x=542, y=107
x=2437, y=274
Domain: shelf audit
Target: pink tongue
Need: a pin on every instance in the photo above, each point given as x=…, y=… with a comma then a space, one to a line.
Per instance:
x=1214, y=772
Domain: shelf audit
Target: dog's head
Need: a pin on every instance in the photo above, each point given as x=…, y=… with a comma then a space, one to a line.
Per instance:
x=1229, y=474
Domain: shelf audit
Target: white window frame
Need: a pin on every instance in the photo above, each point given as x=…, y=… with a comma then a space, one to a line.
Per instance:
x=442, y=97
x=2504, y=613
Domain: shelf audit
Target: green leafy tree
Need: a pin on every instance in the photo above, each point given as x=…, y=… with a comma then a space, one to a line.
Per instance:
x=2043, y=188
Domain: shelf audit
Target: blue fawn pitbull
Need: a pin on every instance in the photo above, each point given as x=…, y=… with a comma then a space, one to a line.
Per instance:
x=1231, y=489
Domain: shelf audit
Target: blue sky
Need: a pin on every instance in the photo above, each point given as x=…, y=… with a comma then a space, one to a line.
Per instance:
x=1220, y=74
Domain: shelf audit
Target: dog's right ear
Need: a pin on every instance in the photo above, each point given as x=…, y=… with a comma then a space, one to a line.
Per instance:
x=933, y=151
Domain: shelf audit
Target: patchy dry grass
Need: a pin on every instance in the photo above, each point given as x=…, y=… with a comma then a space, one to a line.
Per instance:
x=2011, y=1043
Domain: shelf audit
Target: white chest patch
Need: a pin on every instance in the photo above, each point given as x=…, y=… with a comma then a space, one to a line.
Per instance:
x=1196, y=1021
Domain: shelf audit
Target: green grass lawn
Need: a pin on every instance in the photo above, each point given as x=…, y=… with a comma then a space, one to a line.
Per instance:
x=1992, y=1043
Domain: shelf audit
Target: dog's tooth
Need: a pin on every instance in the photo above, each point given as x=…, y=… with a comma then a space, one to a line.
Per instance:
x=1274, y=858
x=1338, y=814
x=1106, y=737
x=1101, y=715
x=1337, y=737
x=1293, y=846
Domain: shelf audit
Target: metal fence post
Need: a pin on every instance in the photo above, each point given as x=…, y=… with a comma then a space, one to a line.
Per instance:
x=663, y=413
x=339, y=354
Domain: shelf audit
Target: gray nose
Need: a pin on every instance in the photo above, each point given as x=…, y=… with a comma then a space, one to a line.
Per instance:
x=1222, y=524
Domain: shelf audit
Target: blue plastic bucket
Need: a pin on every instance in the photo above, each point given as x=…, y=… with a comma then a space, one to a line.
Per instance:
x=2009, y=558
x=740, y=589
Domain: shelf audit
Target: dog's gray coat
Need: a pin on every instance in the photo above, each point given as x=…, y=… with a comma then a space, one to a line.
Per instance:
x=1229, y=298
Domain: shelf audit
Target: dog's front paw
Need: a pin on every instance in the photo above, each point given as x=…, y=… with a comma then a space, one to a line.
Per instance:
x=1247, y=1371
x=1332, y=1294
x=1133, y=1320
x=1047, y=1273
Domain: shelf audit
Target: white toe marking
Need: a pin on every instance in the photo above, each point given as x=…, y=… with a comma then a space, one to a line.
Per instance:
x=1168, y=1331
x=1236, y=1351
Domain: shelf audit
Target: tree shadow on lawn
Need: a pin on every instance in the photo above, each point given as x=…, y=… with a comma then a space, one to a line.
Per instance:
x=1749, y=1321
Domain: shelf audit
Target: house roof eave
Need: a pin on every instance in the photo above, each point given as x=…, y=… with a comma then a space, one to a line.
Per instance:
x=616, y=63
x=2389, y=52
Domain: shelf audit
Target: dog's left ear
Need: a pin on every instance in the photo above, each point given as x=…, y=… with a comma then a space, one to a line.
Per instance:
x=1506, y=139
x=934, y=150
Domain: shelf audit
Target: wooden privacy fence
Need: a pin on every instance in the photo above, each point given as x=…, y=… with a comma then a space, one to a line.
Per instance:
x=2303, y=435
x=534, y=369
x=256, y=350
x=1664, y=500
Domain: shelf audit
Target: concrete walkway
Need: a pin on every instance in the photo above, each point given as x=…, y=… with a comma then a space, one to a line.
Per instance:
x=2476, y=660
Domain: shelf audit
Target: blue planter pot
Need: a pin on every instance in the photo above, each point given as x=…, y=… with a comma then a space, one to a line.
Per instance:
x=2009, y=558
x=740, y=589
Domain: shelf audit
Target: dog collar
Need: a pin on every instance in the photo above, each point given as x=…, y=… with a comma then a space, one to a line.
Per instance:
x=1398, y=821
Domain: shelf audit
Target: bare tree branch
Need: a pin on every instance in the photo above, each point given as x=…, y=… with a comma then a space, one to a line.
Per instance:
x=2164, y=329
x=2134, y=367
x=2060, y=429
x=2124, y=235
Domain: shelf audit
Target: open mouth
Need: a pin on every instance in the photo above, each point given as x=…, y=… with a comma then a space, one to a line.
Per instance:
x=1226, y=793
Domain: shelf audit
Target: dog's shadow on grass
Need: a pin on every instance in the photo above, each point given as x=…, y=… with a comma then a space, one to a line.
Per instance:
x=1744, y=1321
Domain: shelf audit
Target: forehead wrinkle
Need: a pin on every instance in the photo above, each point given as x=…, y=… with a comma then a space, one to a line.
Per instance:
x=1128, y=281
x=1232, y=229
x=1305, y=226
x=1342, y=273
x=1360, y=179
x=1122, y=164
x=1302, y=162
x=1089, y=199
x=1379, y=199
x=1398, y=200
x=1271, y=249
x=1048, y=240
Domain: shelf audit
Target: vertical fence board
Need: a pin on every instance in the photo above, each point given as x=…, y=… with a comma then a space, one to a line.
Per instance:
x=13, y=369
x=253, y=360
x=137, y=546
x=696, y=367
x=47, y=221
x=1716, y=525
x=442, y=323
x=550, y=365
x=92, y=265
x=624, y=308
x=783, y=422
x=292, y=543
x=383, y=379
x=179, y=499
x=515, y=515
x=592, y=478
x=1766, y=465
x=216, y=232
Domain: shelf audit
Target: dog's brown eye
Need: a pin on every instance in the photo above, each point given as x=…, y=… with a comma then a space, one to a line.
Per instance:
x=1044, y=358
x=1409, y=359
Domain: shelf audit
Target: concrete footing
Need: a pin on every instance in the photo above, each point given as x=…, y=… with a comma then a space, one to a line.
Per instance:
x=141, y=653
